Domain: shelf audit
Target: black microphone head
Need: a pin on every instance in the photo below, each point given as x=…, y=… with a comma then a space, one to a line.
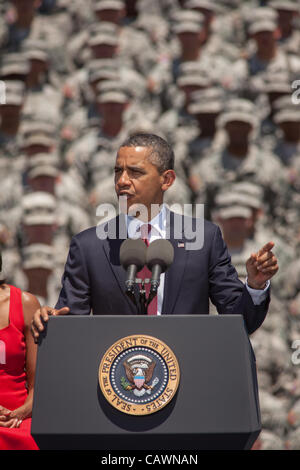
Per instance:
x=160, y=252
x=133, y=252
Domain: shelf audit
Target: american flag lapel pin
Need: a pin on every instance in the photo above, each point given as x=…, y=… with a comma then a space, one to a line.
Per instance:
x=180, y=245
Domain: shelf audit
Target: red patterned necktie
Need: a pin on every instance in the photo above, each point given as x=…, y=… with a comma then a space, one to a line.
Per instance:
x=145, y=273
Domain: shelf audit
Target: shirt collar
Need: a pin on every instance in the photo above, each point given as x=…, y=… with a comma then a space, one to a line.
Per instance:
x=158, y=224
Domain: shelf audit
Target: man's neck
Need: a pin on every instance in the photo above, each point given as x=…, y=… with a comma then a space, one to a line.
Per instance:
x=238, y=151
x=190, y=55
x=112, y=129
x=266, y=55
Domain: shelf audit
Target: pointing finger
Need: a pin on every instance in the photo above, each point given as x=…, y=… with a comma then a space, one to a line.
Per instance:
x=267, y=247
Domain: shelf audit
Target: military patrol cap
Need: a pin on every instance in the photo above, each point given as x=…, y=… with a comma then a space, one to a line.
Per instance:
x=111, y=63
x=103, y=74
x=102, y=38
x=14, y=64
x=210, y=93
x=38, y=255
x=38, y=138
x=276, y=82
x=209, y=100
x=102, y=27
x=43, y=159
x=38, y=208
x=192, y=79
x=188, y=16
x=261, y=14
x=283, y=102
x=112, y=97
x=192, y=67
x=233, y=211
x=187, y=27
x=109, y=5
x=202, y=4
x=43, y=170
x=248, y=188
x=239, y=199
x=100, y=30
x=103, y=69
x=262, y=26
x=29, y=126
x=238, y=109
x=285, y=5
x=14, y=93
x=291, y=114
x=36, y=49
x=111, y=85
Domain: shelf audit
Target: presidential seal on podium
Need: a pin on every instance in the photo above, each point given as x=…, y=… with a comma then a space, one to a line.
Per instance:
x=139, y=375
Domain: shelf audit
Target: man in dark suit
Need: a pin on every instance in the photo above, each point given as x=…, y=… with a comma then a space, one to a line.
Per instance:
x=94, y=280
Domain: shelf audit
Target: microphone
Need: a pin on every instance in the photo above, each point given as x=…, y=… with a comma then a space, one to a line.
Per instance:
x=159, y=257
x=133, y=259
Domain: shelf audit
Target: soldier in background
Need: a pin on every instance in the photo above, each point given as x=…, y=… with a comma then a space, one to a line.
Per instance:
x=234, y=221
x=240, y=159
x=288, y=12
x=206, y=106
x=23, y=13
x=246, y=76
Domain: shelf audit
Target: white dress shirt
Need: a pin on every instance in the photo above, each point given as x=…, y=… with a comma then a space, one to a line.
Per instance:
x=158, y=230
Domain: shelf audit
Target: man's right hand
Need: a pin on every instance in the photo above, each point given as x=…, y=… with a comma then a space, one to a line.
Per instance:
x=42, y=316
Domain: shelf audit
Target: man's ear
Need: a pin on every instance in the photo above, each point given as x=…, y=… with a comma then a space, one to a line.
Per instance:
x=168, y=178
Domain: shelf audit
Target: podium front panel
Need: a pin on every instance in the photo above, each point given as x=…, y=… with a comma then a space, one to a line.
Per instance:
x=216, y=404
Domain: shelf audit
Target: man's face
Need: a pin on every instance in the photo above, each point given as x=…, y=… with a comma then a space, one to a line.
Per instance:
x=235, y=228
x=37, y=68
x=42, y=183
x=110, y=16
x=189, y=40
x=111, y=111
x=26, y=7
x=238, y=131
x=265, y=39
x=291, y=130
x=38, y=234
x=138, y=179
x=33, y=149
x=104, y=51
x=10, y=114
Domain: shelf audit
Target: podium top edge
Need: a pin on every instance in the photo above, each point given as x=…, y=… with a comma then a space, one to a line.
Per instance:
x=152, y=317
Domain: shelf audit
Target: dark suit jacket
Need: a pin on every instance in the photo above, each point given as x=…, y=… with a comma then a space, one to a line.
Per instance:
x=95, y=280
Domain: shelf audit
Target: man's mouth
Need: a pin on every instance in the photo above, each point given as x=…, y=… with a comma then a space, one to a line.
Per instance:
x=124, y=193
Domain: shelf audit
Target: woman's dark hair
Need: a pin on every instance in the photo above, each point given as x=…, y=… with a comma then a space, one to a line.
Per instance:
x=161, y=155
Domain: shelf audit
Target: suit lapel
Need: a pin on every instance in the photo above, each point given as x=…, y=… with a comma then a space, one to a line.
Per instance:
x=175, y=273
x=111, y=248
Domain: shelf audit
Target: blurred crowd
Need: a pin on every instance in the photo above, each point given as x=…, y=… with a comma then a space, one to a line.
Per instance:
x=218, y=79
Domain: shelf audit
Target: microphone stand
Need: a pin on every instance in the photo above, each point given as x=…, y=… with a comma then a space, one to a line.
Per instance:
x=143, y=300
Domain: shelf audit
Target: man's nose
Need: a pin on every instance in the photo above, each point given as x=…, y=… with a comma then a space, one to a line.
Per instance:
x=124, y=179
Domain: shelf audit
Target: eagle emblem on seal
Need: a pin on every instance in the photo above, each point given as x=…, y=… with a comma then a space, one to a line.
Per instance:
x=139, y=372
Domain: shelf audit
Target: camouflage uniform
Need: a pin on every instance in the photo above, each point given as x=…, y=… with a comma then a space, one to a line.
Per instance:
x=257, y=166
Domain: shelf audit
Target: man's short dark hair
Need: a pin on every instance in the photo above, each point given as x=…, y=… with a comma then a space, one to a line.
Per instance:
x=162, y=155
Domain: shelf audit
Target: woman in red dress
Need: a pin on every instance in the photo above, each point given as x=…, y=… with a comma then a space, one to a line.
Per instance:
x=17, y=367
